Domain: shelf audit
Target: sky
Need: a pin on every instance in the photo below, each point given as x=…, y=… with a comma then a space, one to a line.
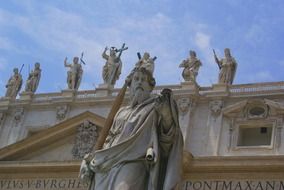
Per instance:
x=48, y=31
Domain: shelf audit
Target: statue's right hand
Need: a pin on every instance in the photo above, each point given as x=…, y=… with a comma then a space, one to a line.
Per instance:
x=85, y=172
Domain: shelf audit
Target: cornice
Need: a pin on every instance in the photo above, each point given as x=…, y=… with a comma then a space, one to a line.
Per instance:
x=52, y=134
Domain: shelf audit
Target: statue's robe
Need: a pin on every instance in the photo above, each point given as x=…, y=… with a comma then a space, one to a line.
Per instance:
x=122, y=164
x=14, y=85
x=228, y=70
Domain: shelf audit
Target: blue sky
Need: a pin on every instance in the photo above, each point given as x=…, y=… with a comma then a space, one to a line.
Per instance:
x=48, y=31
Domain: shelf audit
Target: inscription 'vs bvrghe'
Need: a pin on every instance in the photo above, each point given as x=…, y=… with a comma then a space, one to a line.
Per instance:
x=234, y=185
x=68, y=183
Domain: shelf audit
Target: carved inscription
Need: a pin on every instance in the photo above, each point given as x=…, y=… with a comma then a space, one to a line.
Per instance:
x=46, y=183
x=234, y=185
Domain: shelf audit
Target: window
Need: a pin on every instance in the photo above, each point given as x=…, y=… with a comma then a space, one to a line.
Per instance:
x=255, y=135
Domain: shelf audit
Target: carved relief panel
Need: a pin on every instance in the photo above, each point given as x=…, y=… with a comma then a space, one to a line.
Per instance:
x=87, y=134
x=185, y=105
x=61, y=112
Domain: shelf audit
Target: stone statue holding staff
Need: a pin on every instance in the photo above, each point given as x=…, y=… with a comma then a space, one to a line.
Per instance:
x=141, y=145
x=227, y=66
x=14, y=84
x=33, y=79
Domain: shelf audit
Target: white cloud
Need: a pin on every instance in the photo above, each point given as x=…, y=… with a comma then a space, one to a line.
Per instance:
x=6, y=44
x=3, y=64
x=202, y=40
x=2, y=88
x=260, y=76
x=255, y=34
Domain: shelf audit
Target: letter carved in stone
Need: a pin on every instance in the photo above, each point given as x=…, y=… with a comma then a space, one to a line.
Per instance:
x=87, y=134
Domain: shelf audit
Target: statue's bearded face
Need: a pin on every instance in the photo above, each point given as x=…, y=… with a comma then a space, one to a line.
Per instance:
x=140, y=88
x=76, y=60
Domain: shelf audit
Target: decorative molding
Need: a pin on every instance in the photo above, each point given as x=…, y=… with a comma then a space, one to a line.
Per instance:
x=2, y=117
x=231, y=131
x=255, y=113
x=216, y=107
x=279, y=127
x=256, y=109
x=185, y=105
x=47, y=136
x=87, y=134
x=61, y=112
x=18, y=114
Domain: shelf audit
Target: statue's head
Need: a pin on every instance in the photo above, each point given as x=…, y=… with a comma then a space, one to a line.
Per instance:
x=227, y=52
x=112, y=51
x=146, y=55
x=16, y=70
x=192, y=53
x=76, y=60
x=141, y=83
x=37, y=65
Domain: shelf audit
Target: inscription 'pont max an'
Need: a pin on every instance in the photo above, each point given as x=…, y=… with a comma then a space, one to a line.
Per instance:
x=48, y=183
x=234, y=185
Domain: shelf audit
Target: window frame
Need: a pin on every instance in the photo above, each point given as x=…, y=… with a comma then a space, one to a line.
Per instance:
x=254, y=124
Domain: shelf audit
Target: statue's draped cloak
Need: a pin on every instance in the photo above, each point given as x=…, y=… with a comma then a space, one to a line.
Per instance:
x=141, y=130
x=228, y=70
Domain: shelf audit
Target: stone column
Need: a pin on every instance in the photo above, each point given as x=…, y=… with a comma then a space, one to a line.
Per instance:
x=214, y=126
x=186, y=108
x=17, y=131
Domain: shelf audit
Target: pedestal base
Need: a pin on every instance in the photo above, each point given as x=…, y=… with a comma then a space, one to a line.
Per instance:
x=26, y=96
x=192, y=86
x=104, y=90
x=221, y=87
x=4, y=103
x=68, y=93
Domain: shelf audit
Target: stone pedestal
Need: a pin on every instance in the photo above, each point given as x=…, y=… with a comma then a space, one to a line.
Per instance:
x=192, y=86
x=219, y=90
x=27, y=96
x=221, y=87
x=4, y=103
x=104, y=90
x=68, y=93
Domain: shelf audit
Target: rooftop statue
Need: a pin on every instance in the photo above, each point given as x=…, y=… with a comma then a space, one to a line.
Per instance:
x=191, y=66
x=143, y=148
x=33, y=79
x=113, y=65
x=146, y=62
x=227, y=66
x=14, y=84
x=74, y=75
